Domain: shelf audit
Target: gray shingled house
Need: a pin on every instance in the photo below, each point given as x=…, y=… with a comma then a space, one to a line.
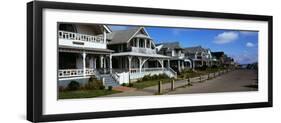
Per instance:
x=218, y=57
x=199, y=55
x=178, y=60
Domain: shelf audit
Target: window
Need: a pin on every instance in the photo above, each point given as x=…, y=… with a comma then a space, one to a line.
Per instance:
x=67, y=27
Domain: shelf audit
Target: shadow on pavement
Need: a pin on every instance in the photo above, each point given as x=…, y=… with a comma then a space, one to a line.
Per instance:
x=252, y=86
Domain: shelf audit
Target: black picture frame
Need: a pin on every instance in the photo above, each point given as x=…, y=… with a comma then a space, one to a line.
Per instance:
x=34, y=60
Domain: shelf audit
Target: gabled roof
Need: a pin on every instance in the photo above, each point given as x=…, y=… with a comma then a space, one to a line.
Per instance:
x=194, y=49
x=107, y=28
x=170, y=46
x=142, y=36
x=124, y=36
x=217, y=54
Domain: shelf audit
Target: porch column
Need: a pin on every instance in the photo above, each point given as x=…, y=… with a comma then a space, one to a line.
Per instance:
x=168, y=63
x=104, y=62
x=110, y=63
x=145, y=43
x=138, y=42
x=182, y=65
x=130, y=59
x=104, y=36
x=91, y=62
x=179, y=64
x=95, y=63
x=140, y=63
x=84, y=63
x=162, y=64
x=101, y=61
x=193, y=65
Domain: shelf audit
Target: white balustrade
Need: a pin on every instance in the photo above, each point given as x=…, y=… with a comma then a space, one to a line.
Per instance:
x=81, y=37
x=170, y=72
x=75, y=72
x=135, y=70
x=151, y=69
x=143, y=50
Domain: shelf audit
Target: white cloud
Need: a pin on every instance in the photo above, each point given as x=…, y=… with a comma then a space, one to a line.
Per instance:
x=226, y=37
x=249, y=44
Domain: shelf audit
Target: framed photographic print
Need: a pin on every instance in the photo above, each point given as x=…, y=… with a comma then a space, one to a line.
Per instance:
x=95, y=61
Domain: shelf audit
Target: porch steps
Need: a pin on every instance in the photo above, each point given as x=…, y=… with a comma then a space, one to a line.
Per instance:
x=109, y=81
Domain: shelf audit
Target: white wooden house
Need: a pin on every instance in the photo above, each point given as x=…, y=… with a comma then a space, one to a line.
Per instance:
x=135, y=54
x=115, y=57
x=82, y=52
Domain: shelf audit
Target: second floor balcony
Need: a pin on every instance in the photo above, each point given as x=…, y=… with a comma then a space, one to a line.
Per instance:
x=181, y=55
x=143, y=50
x=81, y=40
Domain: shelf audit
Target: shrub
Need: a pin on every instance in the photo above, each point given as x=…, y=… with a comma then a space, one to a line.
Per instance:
x=214, y=66
x=92, y=78
x=73, y=85
x=102, y=87
x=130, y=85
x=124, y=84
x=93, y=83
x=154, y=77
x=61, y=88
x=204, y=67
x=110, y=88
x=146, y=77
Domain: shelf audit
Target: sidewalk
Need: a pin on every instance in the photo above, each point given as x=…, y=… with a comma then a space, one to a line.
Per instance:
x=167, y=86
x=181, y=83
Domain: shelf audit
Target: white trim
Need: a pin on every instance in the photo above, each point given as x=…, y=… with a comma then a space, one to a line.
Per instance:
x=140, y=54
x=107, y=28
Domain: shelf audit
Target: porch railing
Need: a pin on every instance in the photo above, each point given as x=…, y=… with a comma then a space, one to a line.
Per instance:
x=151, y=69
x=143, y=50
x=75, y=72
x=137, y=70
x=172, y=71
x=81, y=37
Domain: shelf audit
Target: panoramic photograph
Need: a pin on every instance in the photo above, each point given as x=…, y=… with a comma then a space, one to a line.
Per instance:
x=103, y=61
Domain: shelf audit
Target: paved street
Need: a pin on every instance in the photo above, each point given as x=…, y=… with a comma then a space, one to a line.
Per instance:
x=238, y=80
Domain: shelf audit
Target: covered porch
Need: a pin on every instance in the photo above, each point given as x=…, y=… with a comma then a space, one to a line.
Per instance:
x=180, y=64
x=82, y=62
x=138, y=65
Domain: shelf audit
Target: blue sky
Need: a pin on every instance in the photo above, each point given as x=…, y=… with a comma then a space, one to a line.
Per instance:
x=241, y=45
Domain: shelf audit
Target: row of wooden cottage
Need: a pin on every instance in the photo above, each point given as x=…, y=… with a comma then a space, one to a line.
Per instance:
x=124, y=55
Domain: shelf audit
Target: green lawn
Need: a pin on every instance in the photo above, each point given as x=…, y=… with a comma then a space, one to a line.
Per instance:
x=184, y=75
x=191, y=74
x=148, y=83
x=85, y=93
